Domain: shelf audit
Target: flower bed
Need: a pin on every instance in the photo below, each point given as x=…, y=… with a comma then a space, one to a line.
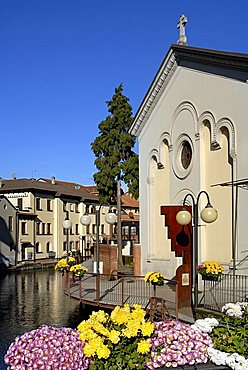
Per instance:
x=47, y=348
x=125, y=340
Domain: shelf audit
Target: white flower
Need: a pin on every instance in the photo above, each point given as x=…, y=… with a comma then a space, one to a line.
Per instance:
x=212, y=321
x=232, y=309
x=216, y=356
x=205, y=325
x=237, y=362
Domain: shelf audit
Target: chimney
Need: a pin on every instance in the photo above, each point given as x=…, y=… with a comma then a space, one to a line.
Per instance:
x=53, y=180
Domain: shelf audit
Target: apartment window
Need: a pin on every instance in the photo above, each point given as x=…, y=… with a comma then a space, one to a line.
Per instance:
x=49, y=229
x=93, y=229
x=10, y=223
x=93, y=210
x=48, y=247
x=133, y=230
x=49, y=205
x=43, y=228
x=64, y=246
x=38, y=204
x=87, y=208
x=71, y=230
x=38, y=228
x=77, y=245
x=76, y=207
x=71, y=207
x=102, y=229
x=87, y=229
x=24, y=228
x=76, y=229
x=20, y=204
x=64, y=206
x=37, y=247
x=125, y=230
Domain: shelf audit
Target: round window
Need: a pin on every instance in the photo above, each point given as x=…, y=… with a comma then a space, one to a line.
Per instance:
x=186, y=154
x=183, y=156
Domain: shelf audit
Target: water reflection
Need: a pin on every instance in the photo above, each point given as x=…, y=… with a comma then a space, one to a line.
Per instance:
x=31, y=299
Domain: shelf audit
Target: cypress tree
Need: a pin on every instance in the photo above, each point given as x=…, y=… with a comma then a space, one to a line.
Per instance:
x=115, y=159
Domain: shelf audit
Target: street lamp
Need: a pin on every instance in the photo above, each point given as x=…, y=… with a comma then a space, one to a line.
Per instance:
x=67, y=225
x=110, y=218
x=209, y=214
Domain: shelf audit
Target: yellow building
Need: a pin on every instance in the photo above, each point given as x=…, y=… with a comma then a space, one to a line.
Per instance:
x=42, y=207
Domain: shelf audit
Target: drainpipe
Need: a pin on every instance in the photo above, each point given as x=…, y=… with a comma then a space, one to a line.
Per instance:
x=233, y=234
x=34, y=232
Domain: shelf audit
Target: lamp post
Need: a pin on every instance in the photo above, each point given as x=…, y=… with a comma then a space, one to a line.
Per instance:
x=85, y=220
x=67, y=225
x=209, y=214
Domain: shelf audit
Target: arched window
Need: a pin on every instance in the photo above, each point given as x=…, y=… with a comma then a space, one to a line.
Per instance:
x=48, y=246
x=37, y=247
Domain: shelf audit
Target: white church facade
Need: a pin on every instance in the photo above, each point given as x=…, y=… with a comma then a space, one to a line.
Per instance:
x=192, y=129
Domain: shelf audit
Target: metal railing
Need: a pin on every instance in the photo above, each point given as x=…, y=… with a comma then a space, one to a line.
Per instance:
x=111, y=291
x=217, y=293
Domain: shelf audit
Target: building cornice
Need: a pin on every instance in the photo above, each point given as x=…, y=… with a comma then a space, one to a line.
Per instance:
x=227, y=64
x=158, y=85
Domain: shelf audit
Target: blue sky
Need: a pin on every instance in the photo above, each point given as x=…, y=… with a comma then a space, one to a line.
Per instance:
x=60, y=60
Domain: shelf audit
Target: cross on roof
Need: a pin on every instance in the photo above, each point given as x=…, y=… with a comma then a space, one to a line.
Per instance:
x=182, y=40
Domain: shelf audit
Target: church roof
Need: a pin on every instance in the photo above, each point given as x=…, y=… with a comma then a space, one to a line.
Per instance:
x=222, y=63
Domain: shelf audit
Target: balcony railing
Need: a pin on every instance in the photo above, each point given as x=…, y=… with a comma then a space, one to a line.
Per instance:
x=228, y=289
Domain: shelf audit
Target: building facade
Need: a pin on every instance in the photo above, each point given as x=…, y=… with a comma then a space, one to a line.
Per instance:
x=39, y=208
x=42, y=207
x=192, y=129
x=8, y=232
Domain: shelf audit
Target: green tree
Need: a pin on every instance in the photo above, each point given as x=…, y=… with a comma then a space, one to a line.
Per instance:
x=116, y=161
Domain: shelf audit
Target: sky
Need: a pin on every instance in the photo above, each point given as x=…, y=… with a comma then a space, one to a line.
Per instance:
x=60, y=61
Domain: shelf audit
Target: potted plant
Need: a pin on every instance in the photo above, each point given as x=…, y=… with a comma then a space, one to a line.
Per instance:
x=62, y=265
x=78, y=271
x=154, y=278
x=210, y=270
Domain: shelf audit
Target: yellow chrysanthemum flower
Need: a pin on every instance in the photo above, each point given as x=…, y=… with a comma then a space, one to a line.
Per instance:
x=119, y=315
x=147, y=328
x=99, y=328
x=101, y=316
x=103, y=352
x=89, y=351
x=114, y=336
x=143, y=347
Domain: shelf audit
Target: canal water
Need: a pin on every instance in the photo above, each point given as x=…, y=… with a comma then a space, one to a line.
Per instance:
x=31, y=299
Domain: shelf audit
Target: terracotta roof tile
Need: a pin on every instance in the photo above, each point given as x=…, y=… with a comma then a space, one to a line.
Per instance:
x=39, y=185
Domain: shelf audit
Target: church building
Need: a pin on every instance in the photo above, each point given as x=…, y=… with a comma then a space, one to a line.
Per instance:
x=192, y=129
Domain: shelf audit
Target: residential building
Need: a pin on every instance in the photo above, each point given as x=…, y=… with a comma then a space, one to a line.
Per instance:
x=39, y=208
x=8, y=232
x=42, y=208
